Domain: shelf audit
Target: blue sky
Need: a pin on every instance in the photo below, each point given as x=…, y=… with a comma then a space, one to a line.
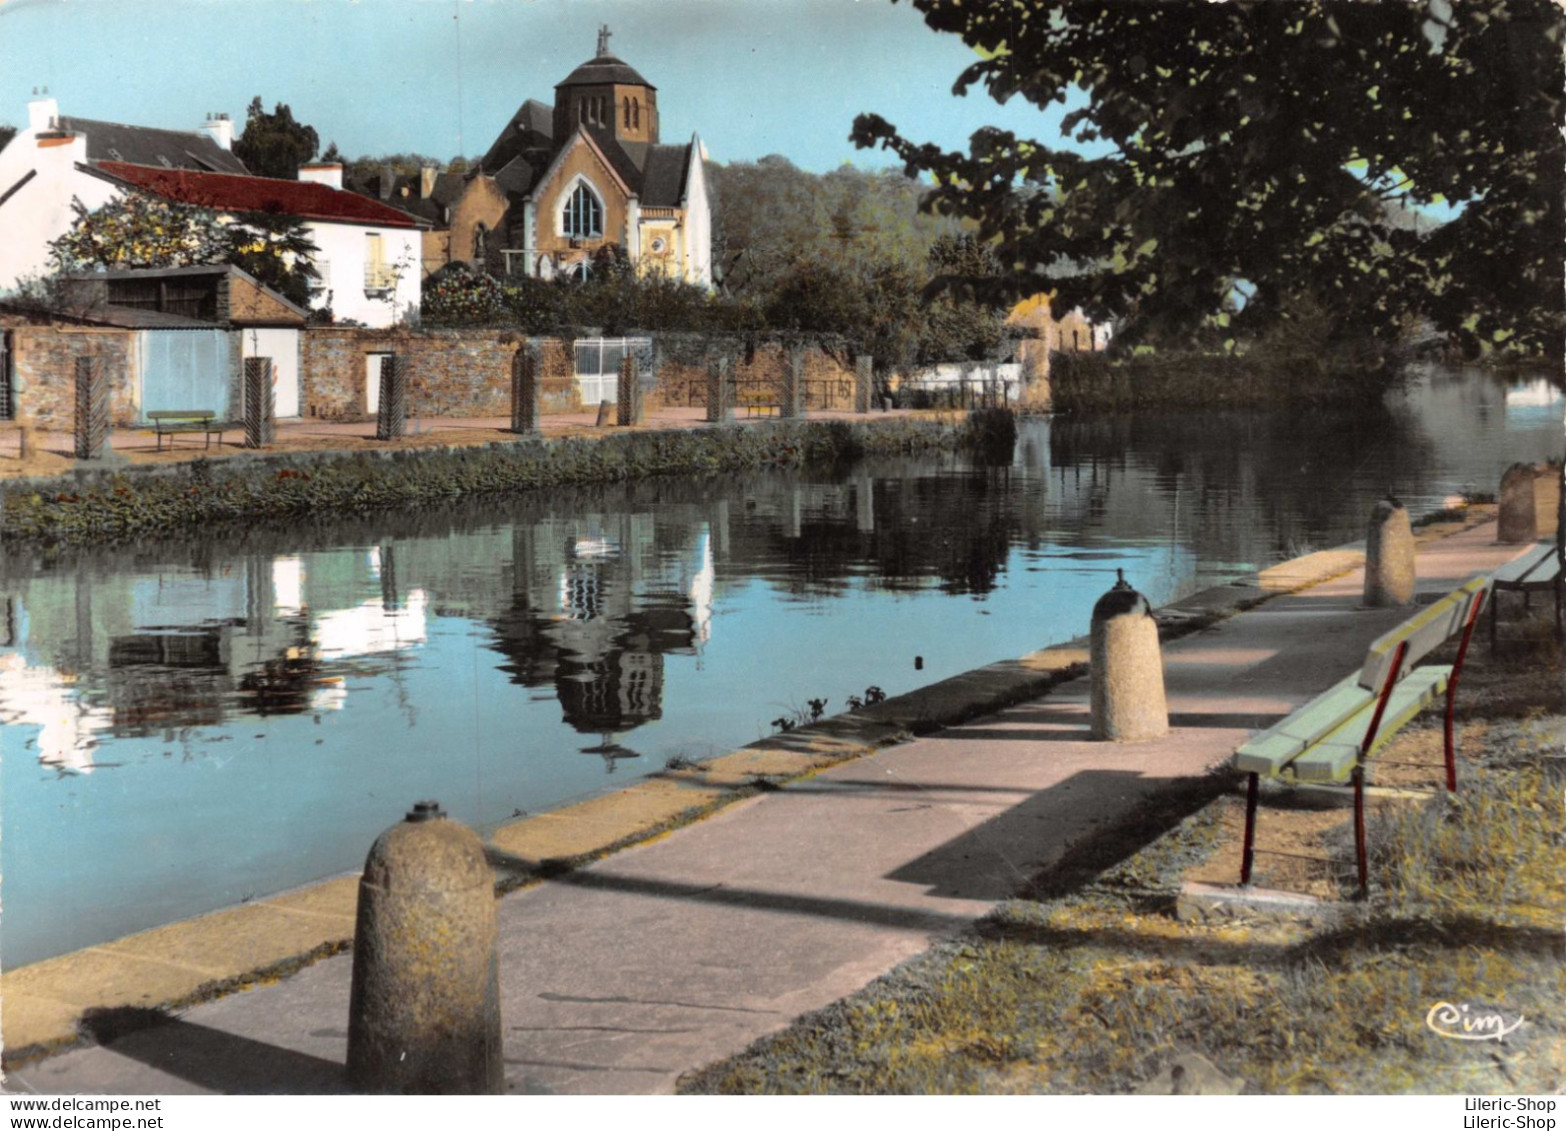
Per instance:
x=753, y=77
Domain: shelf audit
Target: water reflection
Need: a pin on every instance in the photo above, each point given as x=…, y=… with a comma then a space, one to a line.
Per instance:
x=188, y=723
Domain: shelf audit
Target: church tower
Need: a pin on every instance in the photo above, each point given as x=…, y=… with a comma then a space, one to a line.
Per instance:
x=605, y=93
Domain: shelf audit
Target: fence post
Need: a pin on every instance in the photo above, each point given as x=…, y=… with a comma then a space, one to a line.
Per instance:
x=393, y=415
x=260, y=403
x=864, y=383
x=525, y=368
x=629, y=409
x=720, y=392
x=792, y=407
x=92, y=407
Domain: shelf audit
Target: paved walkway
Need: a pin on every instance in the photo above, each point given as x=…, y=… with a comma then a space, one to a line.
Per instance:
x=678, y=952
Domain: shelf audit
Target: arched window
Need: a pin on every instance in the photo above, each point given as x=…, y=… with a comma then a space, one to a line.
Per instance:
x=480, y=241
x=627, y=113
x=580, y=271
x=636, y=113
x=583, y=216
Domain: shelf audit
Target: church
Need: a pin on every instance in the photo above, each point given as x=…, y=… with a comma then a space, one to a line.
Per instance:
x=563, y=181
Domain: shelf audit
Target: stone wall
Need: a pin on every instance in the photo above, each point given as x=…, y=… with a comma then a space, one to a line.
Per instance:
x=44, y=365
x=829, y=380
x=450, y=372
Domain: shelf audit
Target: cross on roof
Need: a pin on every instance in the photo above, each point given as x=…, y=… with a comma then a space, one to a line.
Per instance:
x=603, y=40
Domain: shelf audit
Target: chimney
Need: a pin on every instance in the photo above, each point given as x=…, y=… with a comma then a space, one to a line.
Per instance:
x=427, y=175
x=328, y=173
x=220, y=128
x=42, y=114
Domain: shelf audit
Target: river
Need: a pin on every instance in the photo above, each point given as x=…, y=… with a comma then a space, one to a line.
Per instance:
x=192, y=723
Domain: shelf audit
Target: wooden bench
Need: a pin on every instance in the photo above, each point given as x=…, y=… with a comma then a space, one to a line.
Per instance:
x=1535, y=571
x=1330, y=739
x=170, y=422
x=762, y=409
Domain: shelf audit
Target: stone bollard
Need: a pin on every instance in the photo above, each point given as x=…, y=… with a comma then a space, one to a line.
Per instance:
x=864, y=383
x=260, y=399
x=1518, y=519
x=424, y=1014
x=526, y=368
x=1546, y=499
x=92, y=408
x=1389, y=555
x=1126, y=673
x=392, y=418
x=720, y=392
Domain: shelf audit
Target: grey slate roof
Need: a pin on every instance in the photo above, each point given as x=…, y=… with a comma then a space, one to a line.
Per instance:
x=530, y=128
x=604, y=70
x=143, y=145
x=663, y=175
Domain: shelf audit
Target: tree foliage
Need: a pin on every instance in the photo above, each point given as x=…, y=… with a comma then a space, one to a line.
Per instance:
x=274, y=145
x=770, y=216
x=1266, y=152
x=6, y=134
x=137, y=231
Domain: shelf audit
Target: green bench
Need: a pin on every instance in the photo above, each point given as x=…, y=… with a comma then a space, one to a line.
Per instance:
x=1536, y=571
x=1330, y=739
x=170, y=422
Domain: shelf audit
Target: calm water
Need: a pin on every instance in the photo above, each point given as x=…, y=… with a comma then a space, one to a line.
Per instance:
x=191, y=724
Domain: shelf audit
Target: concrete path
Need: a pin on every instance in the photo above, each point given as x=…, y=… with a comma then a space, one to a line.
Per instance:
x=678, y=952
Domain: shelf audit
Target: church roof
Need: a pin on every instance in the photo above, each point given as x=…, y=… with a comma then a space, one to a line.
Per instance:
x=605, y=70
x=530, y=129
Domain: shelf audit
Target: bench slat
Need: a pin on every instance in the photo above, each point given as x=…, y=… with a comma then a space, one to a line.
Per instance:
x=1425, y=631
x=1539, y=568
x=1333, y=758
x=1271, y=750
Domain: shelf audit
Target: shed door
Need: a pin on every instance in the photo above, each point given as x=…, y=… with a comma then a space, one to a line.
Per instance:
x=282, y=346
x=7, y=384
x=183, y=370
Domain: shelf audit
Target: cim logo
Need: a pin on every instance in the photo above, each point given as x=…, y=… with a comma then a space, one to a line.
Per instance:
x=1471, y=1022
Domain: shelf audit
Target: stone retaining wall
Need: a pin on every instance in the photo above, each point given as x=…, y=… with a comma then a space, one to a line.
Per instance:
x=450, y=372
x=44, y=367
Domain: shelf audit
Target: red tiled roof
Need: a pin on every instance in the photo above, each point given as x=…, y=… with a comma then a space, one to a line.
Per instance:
x=229, y=193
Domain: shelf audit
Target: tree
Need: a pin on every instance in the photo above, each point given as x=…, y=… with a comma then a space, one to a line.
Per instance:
x=1258, y=149
x=274, y=145
x=277, y=249
x=6, y=134
x=137, y=231
x=772, y=215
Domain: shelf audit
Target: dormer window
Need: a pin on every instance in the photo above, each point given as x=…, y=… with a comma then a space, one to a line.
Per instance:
x=165, y=162
x=583, y=215
x=114, y=154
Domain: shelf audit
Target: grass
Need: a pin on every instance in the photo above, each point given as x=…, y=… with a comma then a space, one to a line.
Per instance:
x=1087, y=982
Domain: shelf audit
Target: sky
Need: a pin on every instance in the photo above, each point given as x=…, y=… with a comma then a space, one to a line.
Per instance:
x=442, y=77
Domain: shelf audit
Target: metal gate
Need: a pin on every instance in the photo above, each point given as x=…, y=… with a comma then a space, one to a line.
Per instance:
x=185, y=370
x=598, y=366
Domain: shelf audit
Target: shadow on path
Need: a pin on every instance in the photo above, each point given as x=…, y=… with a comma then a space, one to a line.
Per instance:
x=211, y=1058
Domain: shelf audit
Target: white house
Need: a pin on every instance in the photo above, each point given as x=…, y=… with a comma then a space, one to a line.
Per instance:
x=369, y=251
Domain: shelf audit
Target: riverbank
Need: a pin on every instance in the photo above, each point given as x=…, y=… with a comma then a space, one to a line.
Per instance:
x=130, y=500
x=1103, y=975
x=173, y=967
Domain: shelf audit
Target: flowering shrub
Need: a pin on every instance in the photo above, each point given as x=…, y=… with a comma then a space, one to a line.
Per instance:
x=140, y=231
x=459, y=299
